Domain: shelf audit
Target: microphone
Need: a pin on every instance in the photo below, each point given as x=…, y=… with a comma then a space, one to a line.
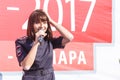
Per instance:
x=40, y=39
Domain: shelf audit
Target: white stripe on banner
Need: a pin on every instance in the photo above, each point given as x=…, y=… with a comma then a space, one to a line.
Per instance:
x=13, y=8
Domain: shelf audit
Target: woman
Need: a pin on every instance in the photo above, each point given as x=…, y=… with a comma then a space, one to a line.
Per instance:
x=35, y=51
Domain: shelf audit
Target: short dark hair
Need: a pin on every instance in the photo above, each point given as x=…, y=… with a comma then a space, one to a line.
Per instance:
x=35, y=17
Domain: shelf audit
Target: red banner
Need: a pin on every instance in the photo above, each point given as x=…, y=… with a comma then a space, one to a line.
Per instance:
x=90, y=21
x=76, y=56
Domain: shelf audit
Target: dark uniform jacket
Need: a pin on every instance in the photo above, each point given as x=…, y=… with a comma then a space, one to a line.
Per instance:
x=42, y=67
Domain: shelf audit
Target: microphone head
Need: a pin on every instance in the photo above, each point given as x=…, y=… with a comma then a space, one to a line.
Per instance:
x=40, y=39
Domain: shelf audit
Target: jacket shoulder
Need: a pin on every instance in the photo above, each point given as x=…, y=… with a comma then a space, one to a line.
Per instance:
x=21, y=40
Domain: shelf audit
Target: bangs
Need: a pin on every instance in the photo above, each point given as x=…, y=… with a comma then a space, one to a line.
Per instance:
x=39, y=19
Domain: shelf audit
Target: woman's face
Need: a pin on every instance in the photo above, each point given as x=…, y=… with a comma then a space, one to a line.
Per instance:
x=40, y=26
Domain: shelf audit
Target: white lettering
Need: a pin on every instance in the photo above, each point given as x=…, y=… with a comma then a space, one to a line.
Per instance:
x=62, y=58
x=69, y=58
x=54, y=57
x=89, y=14
x=72, y=56
x=60, y=16
x=81, y=58
x=72, y=7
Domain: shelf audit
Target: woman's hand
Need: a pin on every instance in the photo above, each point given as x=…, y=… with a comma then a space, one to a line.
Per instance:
x=40, y=33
